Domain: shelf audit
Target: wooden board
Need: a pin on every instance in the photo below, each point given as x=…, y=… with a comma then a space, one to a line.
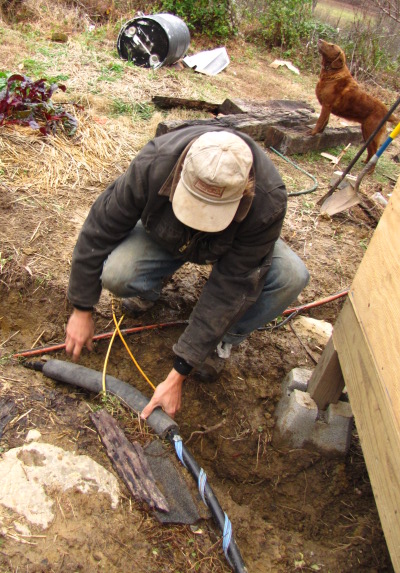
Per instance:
x=375, y=295
x=367, y=339
x=376, y=423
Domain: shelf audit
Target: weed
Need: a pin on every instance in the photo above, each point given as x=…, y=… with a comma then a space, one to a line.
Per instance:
x=34, y=67
x=111, y=72
x=4, y=261
x=121, y=107
x=5, y=359
x=138, y=110
x=143, y=111
x=363, y=244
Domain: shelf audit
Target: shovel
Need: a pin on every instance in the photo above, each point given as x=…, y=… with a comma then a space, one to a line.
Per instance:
x=348, y=196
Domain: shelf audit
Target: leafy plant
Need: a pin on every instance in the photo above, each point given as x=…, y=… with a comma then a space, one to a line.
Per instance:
x=285, y=23
x=210, y=17
x=27, y=102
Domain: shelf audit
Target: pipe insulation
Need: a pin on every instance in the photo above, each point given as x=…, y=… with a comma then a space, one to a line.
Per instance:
x=163, y=426
x=91, y=380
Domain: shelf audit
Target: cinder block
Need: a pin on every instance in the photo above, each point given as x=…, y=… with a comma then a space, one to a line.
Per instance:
x=296, y=416
x=300, y=424
x=296, y=379
x=332, y=434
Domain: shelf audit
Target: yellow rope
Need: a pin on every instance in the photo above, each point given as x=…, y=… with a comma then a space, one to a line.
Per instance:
x=108, y=355
x=129, y=352
x=117, y=330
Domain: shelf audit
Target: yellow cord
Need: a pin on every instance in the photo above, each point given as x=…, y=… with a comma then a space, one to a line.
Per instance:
x=117, y=330
x=108, y=355
x=129, y=352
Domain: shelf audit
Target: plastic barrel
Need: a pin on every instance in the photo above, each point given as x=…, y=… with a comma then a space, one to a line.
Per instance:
x=153, y=41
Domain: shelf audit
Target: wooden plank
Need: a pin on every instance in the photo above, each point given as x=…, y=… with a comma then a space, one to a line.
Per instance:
x=375, y=295
x=326, y=383
x=377, y=423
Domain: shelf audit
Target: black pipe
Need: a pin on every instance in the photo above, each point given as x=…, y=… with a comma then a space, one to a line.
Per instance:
x=232, y=552
x=158, y=420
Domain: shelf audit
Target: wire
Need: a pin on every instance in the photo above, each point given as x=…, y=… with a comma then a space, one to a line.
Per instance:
x=118, y=331
x=295, y=193
x=130, y=353
x=108, y=355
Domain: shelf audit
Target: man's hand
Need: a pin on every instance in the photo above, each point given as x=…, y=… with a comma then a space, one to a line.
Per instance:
x=79, y=333
x=167, y=395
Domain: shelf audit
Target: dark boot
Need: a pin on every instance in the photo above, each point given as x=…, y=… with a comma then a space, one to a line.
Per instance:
x=135, y=305
x=211, y=368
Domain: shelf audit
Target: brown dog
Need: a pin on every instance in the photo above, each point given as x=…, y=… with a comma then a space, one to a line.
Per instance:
x=338, y=93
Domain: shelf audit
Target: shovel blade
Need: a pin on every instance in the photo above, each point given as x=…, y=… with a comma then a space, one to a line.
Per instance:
x=340, y=200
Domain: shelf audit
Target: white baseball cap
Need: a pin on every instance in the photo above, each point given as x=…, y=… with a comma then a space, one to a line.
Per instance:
x=214, y=176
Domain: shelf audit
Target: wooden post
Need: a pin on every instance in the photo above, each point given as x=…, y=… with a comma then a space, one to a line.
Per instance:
x=326, y=383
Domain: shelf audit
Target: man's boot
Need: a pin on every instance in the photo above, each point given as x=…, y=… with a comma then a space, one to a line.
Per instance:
x=136, y=305
x=213, y=365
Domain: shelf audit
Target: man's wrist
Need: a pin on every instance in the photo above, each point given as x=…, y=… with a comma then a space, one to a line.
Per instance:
x=182, y=367
x=83, y=308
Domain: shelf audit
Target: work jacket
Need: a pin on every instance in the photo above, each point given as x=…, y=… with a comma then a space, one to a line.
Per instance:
x=240, y=255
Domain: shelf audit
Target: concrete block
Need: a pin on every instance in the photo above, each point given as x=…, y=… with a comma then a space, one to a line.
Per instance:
x=300, y=424
x=296, y=419
x=332, y=433
x=298, y=379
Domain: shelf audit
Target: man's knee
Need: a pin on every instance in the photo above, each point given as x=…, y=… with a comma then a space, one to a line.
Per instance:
x=288, y=272
x=112, y=278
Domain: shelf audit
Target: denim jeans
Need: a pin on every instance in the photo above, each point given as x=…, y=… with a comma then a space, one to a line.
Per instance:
x=138, y=267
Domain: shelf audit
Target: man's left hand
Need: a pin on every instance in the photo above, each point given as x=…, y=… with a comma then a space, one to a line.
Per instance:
x=167, y=395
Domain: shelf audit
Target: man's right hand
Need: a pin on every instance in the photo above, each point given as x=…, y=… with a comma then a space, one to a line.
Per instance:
x=79, y=333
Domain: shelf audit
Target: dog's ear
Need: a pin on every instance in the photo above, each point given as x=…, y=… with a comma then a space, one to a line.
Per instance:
x=339, y=61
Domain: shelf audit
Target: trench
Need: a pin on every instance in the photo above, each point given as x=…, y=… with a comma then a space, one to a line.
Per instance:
x=283, y=504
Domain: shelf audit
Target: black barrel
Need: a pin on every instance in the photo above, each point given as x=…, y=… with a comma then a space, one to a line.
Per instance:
x=153, y=41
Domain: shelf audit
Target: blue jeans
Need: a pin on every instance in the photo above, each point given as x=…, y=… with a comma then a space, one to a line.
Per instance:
x=138, y=267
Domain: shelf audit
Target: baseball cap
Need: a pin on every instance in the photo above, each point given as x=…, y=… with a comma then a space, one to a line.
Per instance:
x=214, y=175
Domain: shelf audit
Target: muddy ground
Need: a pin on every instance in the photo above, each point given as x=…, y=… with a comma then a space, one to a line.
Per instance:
x=290, y=509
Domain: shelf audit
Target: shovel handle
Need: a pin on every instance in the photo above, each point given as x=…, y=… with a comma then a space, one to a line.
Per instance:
x=388, y=141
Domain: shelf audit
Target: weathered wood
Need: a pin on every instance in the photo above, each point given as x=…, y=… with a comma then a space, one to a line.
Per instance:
x=171, y=102
x=7, y=411
x=367, y=339
x=129, y=461
x=326, y=383
x=263, y=108
x=286, y=130
x=254, y=125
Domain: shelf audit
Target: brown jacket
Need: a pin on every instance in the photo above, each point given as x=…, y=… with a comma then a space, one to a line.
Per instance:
x=241, y=254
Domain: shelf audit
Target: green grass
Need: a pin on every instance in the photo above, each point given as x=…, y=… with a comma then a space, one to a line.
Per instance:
x=137, y=110
x=111, y=72
x=328, y=13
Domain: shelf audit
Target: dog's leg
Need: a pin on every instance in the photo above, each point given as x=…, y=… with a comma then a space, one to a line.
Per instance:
x=367, y=128
x=322, y=121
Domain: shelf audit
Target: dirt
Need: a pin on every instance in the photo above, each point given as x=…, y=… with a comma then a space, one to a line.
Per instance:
x=291, y=509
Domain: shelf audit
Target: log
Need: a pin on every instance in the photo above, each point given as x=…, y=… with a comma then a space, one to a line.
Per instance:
x=129, y=461
x=171, y=102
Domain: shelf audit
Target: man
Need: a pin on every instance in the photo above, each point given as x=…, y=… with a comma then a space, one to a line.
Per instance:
x=200, y=194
